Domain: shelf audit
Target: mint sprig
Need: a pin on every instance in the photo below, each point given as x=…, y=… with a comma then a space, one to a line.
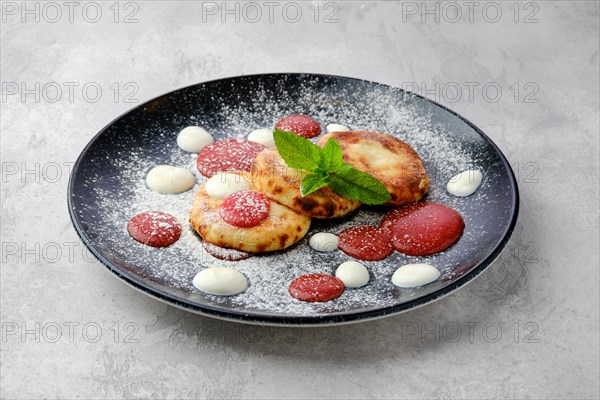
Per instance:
x=297, y=152
x=331, y=156
x=312, y=182
x=326, y=167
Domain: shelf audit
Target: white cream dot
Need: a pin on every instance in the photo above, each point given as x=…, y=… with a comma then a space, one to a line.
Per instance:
x=353, y=274
x=193, y=139
x=324, y=242
x=166, y=179
x=465, y=183
x=337, y=128
x=413, y=275
x=262, y=136
x=220, y=281
x=223, y=184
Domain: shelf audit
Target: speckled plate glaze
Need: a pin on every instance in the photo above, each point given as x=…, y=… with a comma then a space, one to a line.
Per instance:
x=107, y=188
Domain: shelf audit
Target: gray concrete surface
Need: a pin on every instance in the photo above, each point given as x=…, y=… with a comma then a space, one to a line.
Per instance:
x=527, y=328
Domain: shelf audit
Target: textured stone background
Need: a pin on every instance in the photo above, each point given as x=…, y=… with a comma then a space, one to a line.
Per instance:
x=528, y=326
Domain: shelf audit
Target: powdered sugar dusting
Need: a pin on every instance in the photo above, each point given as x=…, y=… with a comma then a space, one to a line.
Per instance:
x=143, y=140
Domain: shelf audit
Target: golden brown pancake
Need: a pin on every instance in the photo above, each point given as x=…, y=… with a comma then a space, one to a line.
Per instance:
x=282, y=228
x=388, y=159
x=273, y=177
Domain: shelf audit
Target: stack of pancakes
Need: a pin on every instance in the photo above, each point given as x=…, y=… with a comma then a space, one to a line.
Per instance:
x=390, y=160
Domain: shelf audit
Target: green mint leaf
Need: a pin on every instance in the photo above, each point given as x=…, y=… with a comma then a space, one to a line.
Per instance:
x=328, y=168
x=357, y=185
x=296, y=151
x=332, y=156
x=311, y=183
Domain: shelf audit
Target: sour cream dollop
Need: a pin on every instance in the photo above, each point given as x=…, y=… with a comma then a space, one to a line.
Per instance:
x=465, y=183
x=413, y=275
x=166, y=179
x=353, y=274
x=324, y=242
x=193, y=139
x=337, y=128
x=220, y=281
x=262, y=136
x=223, y=184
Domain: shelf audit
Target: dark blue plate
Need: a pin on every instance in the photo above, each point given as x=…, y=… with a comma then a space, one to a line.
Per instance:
x=106, y=189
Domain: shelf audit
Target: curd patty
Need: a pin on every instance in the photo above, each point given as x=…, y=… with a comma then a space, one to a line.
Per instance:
x=390, y=160
x=271, y=227
x=271, y=175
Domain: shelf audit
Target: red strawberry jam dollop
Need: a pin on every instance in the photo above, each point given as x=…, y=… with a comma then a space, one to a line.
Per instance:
x=300, y=124
x=227, y=155
x=316, y=288
x=245, y=209
x=367, y=243
x=154, y=228
x=424, y=228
